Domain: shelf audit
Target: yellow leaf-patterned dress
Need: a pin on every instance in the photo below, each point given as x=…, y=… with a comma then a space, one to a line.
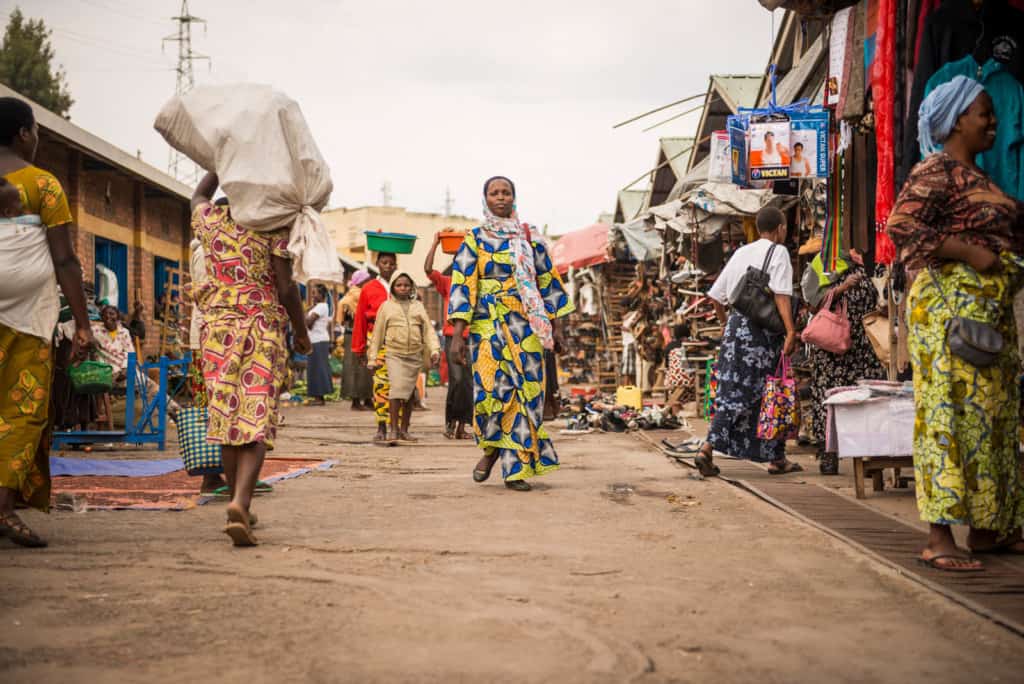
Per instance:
x=26, y=366
x=966, y=444
x=507, y=356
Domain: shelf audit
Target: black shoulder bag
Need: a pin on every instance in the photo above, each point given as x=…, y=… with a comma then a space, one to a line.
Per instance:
x=753, y=298
x=977, y=343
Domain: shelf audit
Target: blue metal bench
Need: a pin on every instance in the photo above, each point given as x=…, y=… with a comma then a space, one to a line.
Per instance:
x=150, y=426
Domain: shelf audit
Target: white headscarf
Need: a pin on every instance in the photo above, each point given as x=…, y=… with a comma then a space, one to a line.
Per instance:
x=526, y=269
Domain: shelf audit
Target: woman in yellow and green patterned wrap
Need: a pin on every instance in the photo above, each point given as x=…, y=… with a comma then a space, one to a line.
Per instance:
x=955, y=227
x=26, y=357
x=505, y=290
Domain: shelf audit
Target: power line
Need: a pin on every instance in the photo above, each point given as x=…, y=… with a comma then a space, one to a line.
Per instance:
x=121, y=12
x=178, y=165
x=116, y=48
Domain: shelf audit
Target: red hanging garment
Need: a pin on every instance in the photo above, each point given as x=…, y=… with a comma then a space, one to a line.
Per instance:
x=883, y=87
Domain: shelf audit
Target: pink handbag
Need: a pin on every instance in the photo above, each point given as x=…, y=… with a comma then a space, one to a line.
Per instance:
x=829, y=330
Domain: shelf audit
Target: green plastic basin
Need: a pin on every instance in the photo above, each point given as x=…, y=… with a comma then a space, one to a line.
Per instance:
x=399, y=243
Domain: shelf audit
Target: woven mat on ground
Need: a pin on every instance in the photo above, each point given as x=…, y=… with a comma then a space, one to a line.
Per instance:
x=171, y=492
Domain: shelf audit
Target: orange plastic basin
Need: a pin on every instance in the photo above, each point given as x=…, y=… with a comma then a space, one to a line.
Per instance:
x=451, y=240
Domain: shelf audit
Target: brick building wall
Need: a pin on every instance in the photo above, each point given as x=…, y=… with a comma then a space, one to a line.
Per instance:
x=110, y=203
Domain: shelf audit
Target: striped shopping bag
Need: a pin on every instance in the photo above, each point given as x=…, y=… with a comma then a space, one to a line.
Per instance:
x=199, y=457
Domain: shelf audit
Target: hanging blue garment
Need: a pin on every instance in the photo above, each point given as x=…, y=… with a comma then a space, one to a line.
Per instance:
x=1004, y=163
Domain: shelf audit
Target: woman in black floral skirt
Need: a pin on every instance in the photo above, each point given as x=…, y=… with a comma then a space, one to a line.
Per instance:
x=854, y=287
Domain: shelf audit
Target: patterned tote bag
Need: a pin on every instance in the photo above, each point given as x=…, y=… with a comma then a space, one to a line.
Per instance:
x=199, y=457
x=780, y=407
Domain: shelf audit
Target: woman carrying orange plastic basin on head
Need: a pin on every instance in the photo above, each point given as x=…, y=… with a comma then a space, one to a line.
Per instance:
x=458, y=407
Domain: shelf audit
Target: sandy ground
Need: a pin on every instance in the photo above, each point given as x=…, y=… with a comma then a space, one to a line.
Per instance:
x=395, y=566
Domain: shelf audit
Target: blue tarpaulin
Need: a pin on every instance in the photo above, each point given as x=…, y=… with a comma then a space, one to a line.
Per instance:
x=79, y=467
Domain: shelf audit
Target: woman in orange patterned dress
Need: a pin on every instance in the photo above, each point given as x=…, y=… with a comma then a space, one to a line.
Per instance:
x=246, y=303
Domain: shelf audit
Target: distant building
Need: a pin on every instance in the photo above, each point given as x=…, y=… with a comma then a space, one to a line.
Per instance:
x=348, y=226
x=128, y=216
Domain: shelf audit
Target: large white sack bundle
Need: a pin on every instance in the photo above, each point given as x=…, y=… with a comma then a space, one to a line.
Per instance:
x=258, y=143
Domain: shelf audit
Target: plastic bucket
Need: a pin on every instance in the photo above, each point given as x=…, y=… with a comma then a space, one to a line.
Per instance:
x=397, y=243
x=451, y=240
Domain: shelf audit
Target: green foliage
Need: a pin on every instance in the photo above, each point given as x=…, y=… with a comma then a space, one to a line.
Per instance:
x=26, y=58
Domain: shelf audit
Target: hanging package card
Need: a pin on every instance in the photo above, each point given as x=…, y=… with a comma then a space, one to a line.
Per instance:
x=770, y=151
x=809, y=140
x=738, y=150
x=720, y=165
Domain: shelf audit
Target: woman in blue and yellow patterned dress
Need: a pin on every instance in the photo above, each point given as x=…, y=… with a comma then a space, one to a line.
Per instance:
x=505, y=290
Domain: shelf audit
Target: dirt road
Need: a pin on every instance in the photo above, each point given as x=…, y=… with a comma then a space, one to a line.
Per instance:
x=395, y=566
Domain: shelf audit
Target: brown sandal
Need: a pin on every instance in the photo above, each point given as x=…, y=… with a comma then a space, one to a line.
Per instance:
x=239, y=527
x=17, y=531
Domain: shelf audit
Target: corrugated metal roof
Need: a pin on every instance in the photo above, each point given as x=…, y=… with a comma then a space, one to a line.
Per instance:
x=630, y=202
x=738, y=90
x=97, y=147
x=726, y=94
x=677, y=152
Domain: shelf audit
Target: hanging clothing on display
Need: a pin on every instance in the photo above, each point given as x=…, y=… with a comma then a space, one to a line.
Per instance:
x=1004, y=163
x=951, y=32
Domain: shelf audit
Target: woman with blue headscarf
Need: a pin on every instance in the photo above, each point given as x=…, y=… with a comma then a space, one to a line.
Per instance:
x=959, y=233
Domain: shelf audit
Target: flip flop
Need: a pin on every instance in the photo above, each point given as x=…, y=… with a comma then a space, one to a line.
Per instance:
x=225, y=491
x=15, y=529
x=705, y=467
x=931, y=563
x=790, y=467
x=239, y=527
x=518, y=485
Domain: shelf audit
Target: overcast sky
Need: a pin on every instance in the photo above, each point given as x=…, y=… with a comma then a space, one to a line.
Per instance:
x=427, y=95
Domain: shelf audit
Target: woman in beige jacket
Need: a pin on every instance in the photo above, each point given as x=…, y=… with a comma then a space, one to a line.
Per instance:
x=404, y=333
